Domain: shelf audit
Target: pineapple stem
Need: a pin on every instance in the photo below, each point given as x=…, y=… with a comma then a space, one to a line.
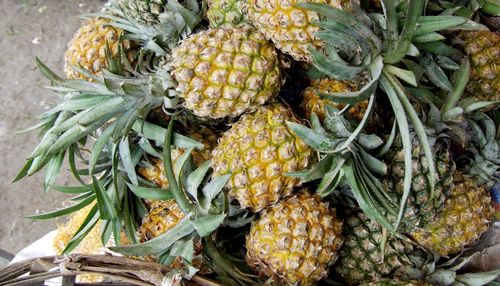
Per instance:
x=179, y=196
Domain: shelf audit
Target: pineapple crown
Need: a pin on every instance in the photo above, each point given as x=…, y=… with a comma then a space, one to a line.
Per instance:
x=175, y=22
x=345, y=155
x=485, y=147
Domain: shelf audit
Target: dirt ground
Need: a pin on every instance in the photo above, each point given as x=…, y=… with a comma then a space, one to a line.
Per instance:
x=29, y=29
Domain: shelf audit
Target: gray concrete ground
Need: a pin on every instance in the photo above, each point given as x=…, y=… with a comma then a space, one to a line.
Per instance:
x=29, y=28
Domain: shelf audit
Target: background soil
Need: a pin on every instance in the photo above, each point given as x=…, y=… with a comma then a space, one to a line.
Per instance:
x=29, y=29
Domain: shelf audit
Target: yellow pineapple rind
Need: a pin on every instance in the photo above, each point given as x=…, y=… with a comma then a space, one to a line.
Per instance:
x=258, y=151
x=225, y=72
x=291, y=28
x=313, y=103
x=466, y=215
x=483, y=49
x=295, y=241
x=87, y=48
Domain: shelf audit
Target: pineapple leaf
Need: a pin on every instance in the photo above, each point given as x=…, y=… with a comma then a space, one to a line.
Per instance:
x=157, y=133
x=398, y=51
x=333, y=69
x=320, y=169
x=332, y=178
x=362, y=197
x=181, y=164
x=481, y=278
x=372, y=163
x=64, y=211
x=206, y=225
x=182, y=248
x=316, y=140
x=106, y=208
x=429, y=37
x=52, y=169
x=148, y=148
x=72, y=189
x=388, y=142
x=438, y=48
x=156, y=194
x=160, y=243
x=435, y=74
x=429, y=24
x=24, y=171
x=459, y=80
x=195, y=179
x=126, y=160
x=214, y=187
x=405, y=139
x=47, y=72
x=179, y=195
x=364, y=93
x=402, y=74
x=84, y=229
x=98, y=147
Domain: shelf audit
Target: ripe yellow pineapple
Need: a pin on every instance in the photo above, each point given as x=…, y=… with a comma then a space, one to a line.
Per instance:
x=295, y=241
x=466, y=215
x=225, y=72
x=483, y=49
x=258, y=151
x=290, y=27
x=163, y=216
x=313, y=103
x=87, y=48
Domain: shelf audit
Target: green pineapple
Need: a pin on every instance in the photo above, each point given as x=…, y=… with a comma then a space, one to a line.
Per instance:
x=227, y=13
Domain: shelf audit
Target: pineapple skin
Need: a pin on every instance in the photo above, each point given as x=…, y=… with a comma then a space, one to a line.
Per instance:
x=289, y=27
x=258, y=151
x=163, y=216
x=466, y=215
x=225, y=72
x=313, y=103
x=227, y=13
x=483, y=49
x=422, y=205
x=87, y=48
x=144, y=12
x=361, y=259
x=295, y=241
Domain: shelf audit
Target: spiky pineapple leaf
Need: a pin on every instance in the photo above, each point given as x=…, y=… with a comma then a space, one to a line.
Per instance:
x=428, y=24
x=459, y=80
x=64, y=211
x=48, y=73
x=87, y=225
x=156, y=194
x=195, y=179
x=214, y=187
x=316, y=140
x=435, y=74
x=160, y=243
x=206, y=225
x=405, y=139
x=72, y=189
x=107, y=209
x=155, y=132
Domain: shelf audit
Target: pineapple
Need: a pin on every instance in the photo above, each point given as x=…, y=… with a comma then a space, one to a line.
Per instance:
x=313, y=103
x=466, y=215
x=88, y=47
x=146, y=12
x=163, y=216
x=155, y=172
x=291, y=28
x=483, y=49
x=295, y=241
x=258, y=151
x=361, y=258
x=422, y=206
x=227, y=13
x=225, y=72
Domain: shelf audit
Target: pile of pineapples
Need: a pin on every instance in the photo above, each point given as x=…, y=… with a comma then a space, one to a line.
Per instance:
x=280, y=142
